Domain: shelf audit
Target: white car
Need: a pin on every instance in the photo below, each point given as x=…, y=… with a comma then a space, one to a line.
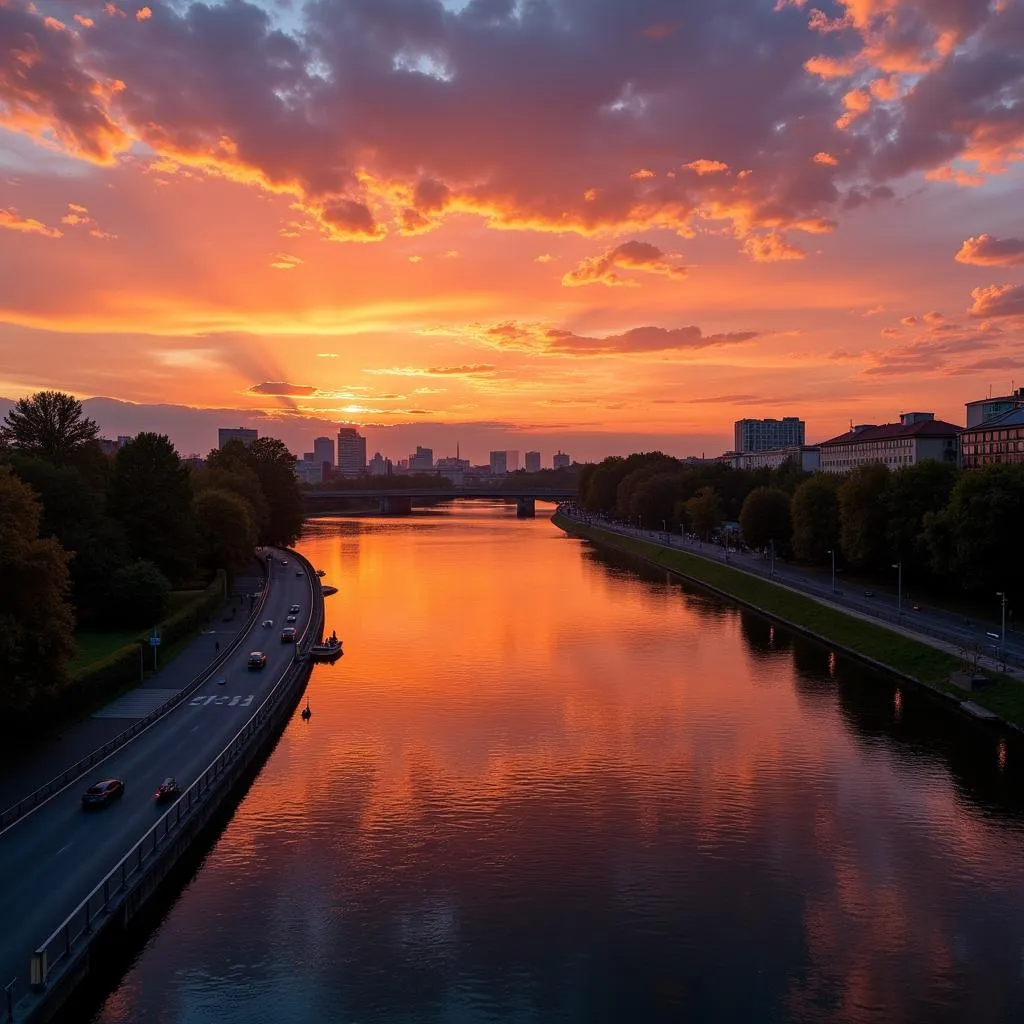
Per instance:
x=268, y=623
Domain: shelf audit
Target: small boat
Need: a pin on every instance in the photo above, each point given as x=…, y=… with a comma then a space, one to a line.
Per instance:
x=327, y=649
x=320, y=572
x=327, y=591
x=307, y=714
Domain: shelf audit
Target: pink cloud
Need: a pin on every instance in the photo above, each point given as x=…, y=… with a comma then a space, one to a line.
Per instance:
x=771, y=248
x=627, y=256
x=998, y=300
x=989, y=251
x=13, y=221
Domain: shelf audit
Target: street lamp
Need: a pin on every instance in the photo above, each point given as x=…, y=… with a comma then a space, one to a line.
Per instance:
x=771, y=570
x=898, y=566
x=664, y=529
x=832, y=552
x=1002, y=631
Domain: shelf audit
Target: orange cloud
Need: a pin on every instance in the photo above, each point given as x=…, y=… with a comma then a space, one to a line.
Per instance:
x=989, y=251
x=627, y=256
x=826, y=159
x=13, y=221
x=84, y=22
x=285, y=261
x=771, y=248
x=143, y=14
x=998, y=300
x=703, y=167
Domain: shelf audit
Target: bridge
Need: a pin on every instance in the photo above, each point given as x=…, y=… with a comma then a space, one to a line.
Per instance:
x=399, y=501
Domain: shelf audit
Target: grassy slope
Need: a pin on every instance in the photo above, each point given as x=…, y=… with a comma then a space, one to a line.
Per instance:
x=892, y=650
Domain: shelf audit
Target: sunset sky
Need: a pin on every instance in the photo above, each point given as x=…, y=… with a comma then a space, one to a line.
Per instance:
x=595, y=224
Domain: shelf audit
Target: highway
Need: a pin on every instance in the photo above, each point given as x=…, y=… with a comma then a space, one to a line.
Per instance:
x=51, y=859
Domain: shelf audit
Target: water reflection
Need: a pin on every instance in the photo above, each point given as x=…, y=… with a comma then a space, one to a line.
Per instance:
x=546, y=784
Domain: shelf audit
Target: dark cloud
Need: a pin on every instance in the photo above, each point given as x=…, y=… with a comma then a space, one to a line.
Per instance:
x=638, y=340
x=632, y=255
x=283, y=388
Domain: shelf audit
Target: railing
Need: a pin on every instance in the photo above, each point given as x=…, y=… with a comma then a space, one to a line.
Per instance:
x=29, y=803
x=904, y=620
x=80, y=922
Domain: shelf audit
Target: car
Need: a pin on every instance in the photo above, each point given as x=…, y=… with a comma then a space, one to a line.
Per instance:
x=257, y=659
x=102, y=793
x=291, y=618
x=915, y=607
x=288, y=635
x=284, y=561
x=869, y=593
x=167, y=790
x=268, y=623
x=299, y=574
x=294, y=610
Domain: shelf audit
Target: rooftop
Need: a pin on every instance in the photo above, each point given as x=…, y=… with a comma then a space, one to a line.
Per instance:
x=888, y=431
x=1010, y=418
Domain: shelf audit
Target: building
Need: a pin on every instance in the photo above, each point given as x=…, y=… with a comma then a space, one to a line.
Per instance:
x=309, y=471
x=532, y=462
x=766, y=435
x=995, y=440
x=243, y=434
x=499, y=463
x=422, y=460
x=807, y=457
x=323, y=450
x=351, y=452
x=561, y=460
x=379, y=466
x=986, y=408
x=917, y=437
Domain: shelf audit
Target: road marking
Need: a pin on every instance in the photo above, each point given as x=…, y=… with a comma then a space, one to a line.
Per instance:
x=62, y=849
x=221, y=699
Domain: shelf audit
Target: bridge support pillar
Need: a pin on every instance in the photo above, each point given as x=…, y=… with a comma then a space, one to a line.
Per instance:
x=526, y=508
x=395, y=506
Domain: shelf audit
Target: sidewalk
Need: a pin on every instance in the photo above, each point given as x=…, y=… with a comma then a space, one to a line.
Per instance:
x=25, y=773
x=789, y=579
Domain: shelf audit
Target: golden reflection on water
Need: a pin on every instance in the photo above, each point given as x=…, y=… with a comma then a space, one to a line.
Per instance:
x=523, y=733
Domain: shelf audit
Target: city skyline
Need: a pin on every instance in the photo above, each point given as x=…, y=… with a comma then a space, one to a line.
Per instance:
x=832, y=230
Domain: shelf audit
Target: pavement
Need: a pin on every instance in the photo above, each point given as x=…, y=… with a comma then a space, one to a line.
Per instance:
x=52, y=858
x=933, y=626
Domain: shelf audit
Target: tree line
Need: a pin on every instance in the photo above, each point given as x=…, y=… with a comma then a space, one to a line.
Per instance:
x=949, y=528
x=89, y=541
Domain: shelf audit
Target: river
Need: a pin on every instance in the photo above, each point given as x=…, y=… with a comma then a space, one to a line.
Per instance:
x=545, y=784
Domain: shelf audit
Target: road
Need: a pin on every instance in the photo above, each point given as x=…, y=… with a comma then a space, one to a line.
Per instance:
x=53, y=858
x=927, y=620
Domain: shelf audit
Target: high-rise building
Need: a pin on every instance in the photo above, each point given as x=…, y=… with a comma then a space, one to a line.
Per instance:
x=763, y=435
x=379, y=466
x=323, y=450
x=561, y=460
x=499, y=463
x=533, y=462
x=917, y=437
x=351, y=452
x=985, y=408
x=422, y=460
x=243, y=434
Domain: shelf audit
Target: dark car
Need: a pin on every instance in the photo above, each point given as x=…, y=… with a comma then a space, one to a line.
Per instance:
x=288, y=635
x=869, y=593
x=257, y=659
x=294, y=610
x=299, y=573
x=102, y=793
x=167, y=790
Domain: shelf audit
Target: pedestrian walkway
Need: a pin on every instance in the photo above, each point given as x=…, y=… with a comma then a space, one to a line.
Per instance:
x=26, y=772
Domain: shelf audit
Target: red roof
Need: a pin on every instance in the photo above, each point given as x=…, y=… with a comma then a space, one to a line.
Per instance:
x=889, y=431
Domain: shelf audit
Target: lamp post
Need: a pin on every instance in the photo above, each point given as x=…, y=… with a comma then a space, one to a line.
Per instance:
x=832, y=552
x=771, y=565
x=898, y=566
x=1002, y=630
x=664, y=529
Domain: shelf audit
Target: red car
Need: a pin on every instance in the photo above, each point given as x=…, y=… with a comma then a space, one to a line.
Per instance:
x=167, y=790
x=103, y=793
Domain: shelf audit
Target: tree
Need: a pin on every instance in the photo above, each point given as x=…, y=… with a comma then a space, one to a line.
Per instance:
x=151, y=497
x=862, y=517
x=814, y=513
x=977, y=538
x=36, y=620
x=240, y=480
x=138, y=595
x=73, y=512
x=50, y=425
x=764, y=519
x=275, y=467
x=225, y=531
x=914, y=493
x=655, y=499
x=704, y=512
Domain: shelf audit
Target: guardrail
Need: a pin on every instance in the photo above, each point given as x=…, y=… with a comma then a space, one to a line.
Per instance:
x=29, y=803
x=905, y=620
x=116, y=884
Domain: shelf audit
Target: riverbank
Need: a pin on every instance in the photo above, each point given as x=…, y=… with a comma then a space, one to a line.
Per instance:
x=887, y=649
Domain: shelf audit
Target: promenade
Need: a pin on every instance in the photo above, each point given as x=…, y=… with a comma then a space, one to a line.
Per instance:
x=943, y=630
